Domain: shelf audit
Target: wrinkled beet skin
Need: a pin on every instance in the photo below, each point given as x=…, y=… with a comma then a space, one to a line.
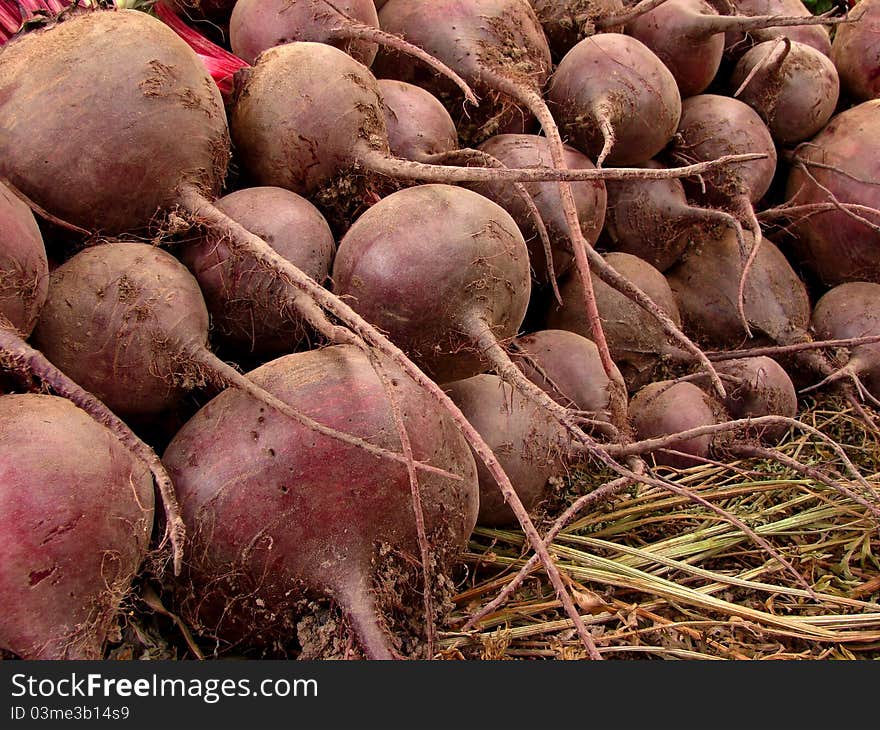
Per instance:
x=417, y=122
x=669, y=31
x=660, y=409
x=503, y=36
x=795, y=100
x=712, y=126
x=856, y=52
x=531, y=445
x=527, y=150
x=256, y=25
x=567, y=366
x=117, y=147
x=76, y=512
x=833, y=245
x=251, y=310
x=24, y=269
x=117, y=318
x=705, y=284
x=287, y=110
x=424, y=263
x=635, y=339
x=636, y=90
x=307, y=512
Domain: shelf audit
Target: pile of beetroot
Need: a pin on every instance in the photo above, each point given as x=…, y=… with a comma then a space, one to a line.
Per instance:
x=293, y=294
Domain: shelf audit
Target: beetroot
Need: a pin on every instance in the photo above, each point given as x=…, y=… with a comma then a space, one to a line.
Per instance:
x=120, y=319
x=154, y=72
x=295, y=525
x=615, y=100
x=567, y=366
x=522, y=151
x=688, y=35
x=839, y=166
x=471, y=251
x=250, y=311
x=530, y=444
x=712, y=125
x=705, y=284
x=637, y=343
x=24, y=269
x=852, y=310
x=493, y=44
x=652, y=219
x=758, y=386
x=856, y=52
x=417, y=123
x=76, y=512
x=792, y=86
x=665, y=408
x=128, y=323
x=812, y=35
x=256, y=25
x=566, y=22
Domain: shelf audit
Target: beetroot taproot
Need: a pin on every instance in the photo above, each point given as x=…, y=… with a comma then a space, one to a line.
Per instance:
x=792, y=86
x=615, y=100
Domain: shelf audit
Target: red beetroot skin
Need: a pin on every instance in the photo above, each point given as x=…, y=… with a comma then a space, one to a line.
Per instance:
x=117, y=319
x=278, y=512
x=850, y=310
x=835, y=246
x=691, y=54
x=256, y=25
x=813, y=35
x=477, y=39
x=430, y=265
x=856, y=52
x=796, y=97
x=618, y=79
x=713, y=125
x=528, y=150
x=635, y=339
x=566, y=366
x=566, y=22
x=417, y=122
x=142, y=119
x=251, y=310
x=757, y=386
x=24, y=269
x=76, y=512
x=706, y=281
x=531, y=445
